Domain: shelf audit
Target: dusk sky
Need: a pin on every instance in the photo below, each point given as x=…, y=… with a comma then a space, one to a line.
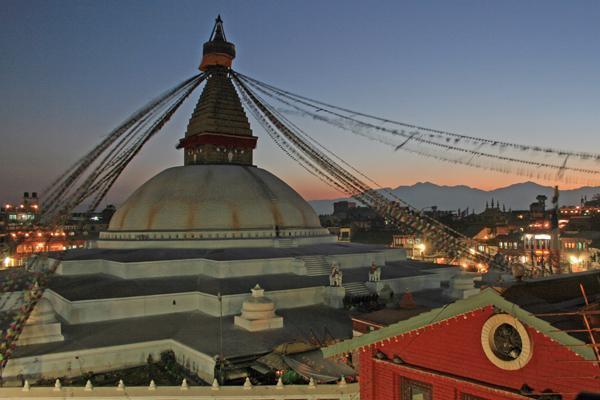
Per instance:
x=520, y=71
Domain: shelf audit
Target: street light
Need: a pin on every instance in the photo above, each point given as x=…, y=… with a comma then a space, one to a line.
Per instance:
x=422, y=247
x=575, y=259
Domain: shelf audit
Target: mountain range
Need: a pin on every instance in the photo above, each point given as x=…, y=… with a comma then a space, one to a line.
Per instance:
x=517, y=196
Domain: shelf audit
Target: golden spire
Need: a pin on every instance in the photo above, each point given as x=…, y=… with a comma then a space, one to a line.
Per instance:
x=217, y=52
x=218, y=131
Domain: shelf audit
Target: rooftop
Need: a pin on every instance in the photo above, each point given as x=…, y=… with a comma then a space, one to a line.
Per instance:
x=558, y=295
x=528, y=302
x=100, y=286
x=200, y=332
x=228, y=254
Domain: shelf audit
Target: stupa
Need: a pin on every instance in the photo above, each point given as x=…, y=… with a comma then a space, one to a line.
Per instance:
x=181, y=253
x=258, y=312
x=218, y=198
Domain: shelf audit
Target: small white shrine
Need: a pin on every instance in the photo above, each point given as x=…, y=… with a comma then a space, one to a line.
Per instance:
x=258, y=312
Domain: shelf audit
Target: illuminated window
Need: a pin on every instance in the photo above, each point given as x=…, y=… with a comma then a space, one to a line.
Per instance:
x=415, y=390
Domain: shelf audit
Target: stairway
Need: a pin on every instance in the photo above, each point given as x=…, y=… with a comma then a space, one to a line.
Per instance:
x=316, y=265
x=356, y=289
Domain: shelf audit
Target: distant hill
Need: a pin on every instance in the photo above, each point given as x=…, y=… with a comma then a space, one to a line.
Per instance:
x=517, y=196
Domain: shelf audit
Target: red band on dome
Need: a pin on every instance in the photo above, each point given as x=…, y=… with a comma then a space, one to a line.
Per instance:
x=248, y=142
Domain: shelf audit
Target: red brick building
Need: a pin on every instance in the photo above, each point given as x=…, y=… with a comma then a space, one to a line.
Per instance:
x=483, y=347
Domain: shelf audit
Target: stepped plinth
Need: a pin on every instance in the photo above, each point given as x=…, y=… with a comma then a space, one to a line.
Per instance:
x=42, y=326
x=258, y=313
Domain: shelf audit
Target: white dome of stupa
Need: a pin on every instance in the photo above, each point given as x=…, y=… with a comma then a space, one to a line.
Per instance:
x=219, y=201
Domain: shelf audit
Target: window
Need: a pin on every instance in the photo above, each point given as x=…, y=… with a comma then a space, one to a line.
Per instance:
x=466, y=396
x=505, y=342
x=415, y=390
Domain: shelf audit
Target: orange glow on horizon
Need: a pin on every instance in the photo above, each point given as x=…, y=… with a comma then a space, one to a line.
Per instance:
x=316, y=190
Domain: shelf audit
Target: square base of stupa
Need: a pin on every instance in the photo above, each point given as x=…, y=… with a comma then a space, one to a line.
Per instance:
x=41, y=333
x=258, y=324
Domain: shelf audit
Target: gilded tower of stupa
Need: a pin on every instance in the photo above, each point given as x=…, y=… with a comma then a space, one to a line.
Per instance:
x=218, y=131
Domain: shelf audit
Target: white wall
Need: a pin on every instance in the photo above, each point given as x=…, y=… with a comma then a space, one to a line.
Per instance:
x=75, y=363
x=416, y=283
x=349, y=391
x=86, y=311
x=381, y=257
x=170, y=268
x=219, y=269
x=11, y=300
x=222, y=239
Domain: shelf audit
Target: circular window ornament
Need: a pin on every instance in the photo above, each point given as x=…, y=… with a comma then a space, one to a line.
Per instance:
x=505, y=342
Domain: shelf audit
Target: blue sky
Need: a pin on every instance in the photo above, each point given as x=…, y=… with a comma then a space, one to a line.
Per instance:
x=524, y=71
